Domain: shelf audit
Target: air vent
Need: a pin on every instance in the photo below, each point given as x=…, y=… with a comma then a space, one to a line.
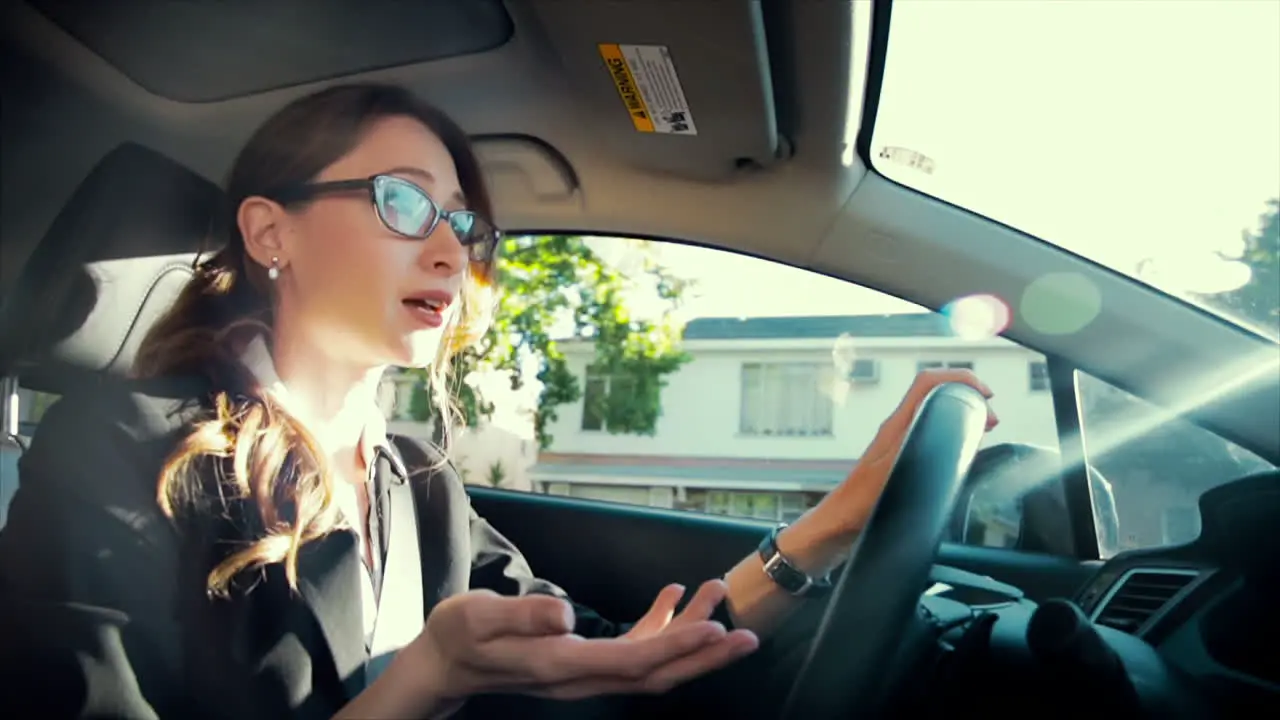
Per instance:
x=1139, y=595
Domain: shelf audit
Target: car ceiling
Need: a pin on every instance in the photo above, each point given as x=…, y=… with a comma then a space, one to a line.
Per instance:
x=776, y=89
x=565, y=153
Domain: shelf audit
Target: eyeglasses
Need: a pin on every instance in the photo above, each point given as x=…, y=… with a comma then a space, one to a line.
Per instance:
x=407, y=210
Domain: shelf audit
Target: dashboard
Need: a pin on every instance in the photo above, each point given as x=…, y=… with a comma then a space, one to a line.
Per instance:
x=1209, y=608
x=1185, y=631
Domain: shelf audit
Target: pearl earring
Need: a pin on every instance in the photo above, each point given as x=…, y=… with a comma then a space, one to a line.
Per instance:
x=273, y=272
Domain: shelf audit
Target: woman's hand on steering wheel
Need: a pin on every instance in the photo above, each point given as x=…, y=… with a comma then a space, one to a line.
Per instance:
x=845, y=510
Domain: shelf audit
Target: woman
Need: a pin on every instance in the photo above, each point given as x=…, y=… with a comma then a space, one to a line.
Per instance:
x=230, y=535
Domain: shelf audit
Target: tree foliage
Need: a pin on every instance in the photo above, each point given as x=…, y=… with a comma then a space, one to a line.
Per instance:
x=1259, y=300
x=556, y=289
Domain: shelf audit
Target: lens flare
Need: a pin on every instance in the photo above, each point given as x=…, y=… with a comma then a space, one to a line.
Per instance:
x=978, y=317
x=1060, y=303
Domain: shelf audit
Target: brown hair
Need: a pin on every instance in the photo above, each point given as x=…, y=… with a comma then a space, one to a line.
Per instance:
x=261, y=453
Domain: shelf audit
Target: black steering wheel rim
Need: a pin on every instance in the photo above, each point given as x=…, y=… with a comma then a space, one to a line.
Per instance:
x=879, y=588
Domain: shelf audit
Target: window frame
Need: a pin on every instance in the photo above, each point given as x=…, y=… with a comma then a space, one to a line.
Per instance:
x=1065, y=394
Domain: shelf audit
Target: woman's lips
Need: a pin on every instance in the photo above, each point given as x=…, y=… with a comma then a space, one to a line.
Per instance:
x=423, y=314
x=427, y=308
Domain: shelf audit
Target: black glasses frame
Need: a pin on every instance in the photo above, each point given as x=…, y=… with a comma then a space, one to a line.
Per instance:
x=481, y=249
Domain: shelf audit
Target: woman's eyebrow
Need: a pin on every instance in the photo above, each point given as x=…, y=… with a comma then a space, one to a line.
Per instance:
x=408, y=170
x=428, y=177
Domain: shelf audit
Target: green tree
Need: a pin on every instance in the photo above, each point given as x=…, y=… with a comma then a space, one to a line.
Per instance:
x=1259, y=300
x=497, y=474
x=558, y=287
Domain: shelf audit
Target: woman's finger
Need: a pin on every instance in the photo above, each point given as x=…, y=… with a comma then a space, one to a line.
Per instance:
x=659, y=614
x=704, y=602
x=486, y=616
x=733, y=646
x=929, y=379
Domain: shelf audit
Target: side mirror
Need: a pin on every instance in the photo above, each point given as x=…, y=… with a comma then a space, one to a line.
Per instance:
x=1014, y=498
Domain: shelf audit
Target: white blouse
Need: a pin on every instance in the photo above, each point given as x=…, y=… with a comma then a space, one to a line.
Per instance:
x=257, y=358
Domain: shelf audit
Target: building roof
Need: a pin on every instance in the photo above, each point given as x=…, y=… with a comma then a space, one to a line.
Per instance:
x=730, y=473
x=817, y=327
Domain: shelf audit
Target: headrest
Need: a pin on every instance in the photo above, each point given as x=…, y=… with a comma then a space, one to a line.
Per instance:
x=114, y=259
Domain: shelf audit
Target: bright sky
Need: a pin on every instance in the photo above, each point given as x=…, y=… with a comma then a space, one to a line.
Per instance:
x=1124, y=131
x=730, y=285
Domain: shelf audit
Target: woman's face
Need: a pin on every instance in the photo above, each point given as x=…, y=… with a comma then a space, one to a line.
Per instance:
x=354, y=288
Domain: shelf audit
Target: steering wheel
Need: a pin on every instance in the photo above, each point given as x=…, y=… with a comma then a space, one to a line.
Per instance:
x=873, y=600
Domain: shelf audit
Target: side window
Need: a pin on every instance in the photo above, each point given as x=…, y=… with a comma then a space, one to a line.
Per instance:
x=31, y=407
x=713, y=395
x=1156, y=466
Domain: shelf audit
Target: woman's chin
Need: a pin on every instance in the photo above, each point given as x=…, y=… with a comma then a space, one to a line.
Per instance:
x=419, y=349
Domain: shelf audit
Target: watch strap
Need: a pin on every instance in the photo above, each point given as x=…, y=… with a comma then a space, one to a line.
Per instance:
x=784, y=573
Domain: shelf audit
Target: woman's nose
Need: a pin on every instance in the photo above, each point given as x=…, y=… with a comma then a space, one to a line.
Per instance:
x=442, y=251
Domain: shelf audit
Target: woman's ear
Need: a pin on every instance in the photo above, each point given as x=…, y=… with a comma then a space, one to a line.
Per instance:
x=262, y=225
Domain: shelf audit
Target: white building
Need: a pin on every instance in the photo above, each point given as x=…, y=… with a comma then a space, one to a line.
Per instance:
x=773, y=412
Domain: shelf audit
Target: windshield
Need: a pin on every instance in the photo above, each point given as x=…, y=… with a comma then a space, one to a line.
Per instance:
x=1144, y=136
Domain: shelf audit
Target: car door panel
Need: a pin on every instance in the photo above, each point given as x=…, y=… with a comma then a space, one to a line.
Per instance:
x=614, y=557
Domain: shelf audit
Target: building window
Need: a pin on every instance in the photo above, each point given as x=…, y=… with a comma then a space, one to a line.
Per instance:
x=596, y=391
x=792, y=505
x=1039, y=371
x=761, y=506
x=595, y=394
x=758, y=506
x=718, y=502
x=944, y=364
x=786, y=400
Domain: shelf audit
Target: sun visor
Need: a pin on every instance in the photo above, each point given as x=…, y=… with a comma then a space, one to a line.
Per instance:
x=207, y=51
x=671, y=86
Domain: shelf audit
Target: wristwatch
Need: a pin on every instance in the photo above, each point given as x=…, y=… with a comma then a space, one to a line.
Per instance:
x=783, y=572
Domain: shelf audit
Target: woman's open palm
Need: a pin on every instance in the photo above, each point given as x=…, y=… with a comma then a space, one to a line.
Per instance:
x=662, y=618
x=480, y=642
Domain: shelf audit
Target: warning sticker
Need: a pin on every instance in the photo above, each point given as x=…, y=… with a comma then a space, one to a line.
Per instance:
x=908, y=157
x=650, y=89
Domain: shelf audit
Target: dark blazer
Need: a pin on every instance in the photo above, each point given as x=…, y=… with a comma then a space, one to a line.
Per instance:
x=104, y=609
